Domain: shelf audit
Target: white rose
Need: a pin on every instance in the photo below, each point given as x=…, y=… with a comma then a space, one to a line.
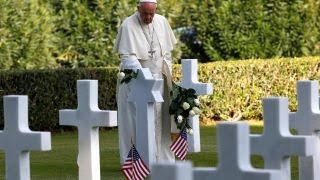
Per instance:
x=197, y=101
x=186, y=105
x=196, y=110
x=192, y=113
x=190, y=131
x=180, y=119
x=121, y=75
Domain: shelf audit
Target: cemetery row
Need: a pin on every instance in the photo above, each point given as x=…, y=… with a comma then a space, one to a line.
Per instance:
x=235, y=144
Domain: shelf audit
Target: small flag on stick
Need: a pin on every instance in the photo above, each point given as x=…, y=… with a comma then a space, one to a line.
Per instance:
x=180, y=145
x=133, y=167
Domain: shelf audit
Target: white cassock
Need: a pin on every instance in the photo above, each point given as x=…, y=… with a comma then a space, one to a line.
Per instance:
x=145, y=46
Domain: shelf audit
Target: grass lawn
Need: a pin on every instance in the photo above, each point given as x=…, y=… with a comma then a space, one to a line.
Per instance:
x=60, y=162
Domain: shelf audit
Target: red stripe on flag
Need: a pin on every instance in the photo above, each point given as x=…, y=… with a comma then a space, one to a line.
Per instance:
x=180, y=145
x=133, y=167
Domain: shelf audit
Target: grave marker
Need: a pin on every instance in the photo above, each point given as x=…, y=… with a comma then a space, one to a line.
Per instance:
x=234, y=157
x=145, y=92
x=17, y=140
x=307, y=122
x=172, y=171
x=190, y=80
x=88, y=118
x=277, y=144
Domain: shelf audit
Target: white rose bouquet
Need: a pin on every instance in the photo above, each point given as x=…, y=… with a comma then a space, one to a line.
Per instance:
x=184, y=104
x=126, y=75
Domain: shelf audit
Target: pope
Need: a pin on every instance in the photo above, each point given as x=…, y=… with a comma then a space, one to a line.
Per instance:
x=145, y=40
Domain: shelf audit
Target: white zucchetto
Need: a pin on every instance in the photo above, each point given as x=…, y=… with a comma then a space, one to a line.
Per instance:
x=153, y=1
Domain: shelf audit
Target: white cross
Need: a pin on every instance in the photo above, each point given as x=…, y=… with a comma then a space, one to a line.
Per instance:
x=145, y=91
x=151, y=52
x=169, y=170
x=277, y=144
x=190, y=80
x=307, y=122
x=17, y=139
x=234, y=157
x=88, y=118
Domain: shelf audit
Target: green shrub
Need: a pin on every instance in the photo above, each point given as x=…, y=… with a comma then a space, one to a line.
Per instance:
x=237, y=29
x=51, y=90
x=87, y=30
x=80, y=33
x=239, y=87
x=27, y=39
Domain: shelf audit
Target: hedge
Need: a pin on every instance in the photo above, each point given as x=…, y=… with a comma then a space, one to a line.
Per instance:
x=239, y=87
x=51, y=90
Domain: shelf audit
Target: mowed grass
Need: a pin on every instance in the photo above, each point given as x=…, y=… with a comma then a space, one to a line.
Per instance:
x=60, y=162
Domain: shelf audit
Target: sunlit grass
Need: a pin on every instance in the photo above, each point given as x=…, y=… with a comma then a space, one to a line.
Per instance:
x=60, y=162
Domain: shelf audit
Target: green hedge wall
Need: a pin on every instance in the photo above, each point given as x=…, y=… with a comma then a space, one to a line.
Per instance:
x=239, y=87
x=51, y=90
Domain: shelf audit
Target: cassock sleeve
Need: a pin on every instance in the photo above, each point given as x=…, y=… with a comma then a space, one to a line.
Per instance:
x=168, y=60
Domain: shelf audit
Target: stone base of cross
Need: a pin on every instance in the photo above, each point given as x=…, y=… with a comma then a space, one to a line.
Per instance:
x=169, y=170
x=190, y=80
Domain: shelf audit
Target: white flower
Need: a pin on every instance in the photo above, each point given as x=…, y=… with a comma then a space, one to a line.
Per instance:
x=192, y=113
x=197, y=101
x=190, y=131
x=180, y=119
x=121, y=75
x=186, y=105
x=196, y=110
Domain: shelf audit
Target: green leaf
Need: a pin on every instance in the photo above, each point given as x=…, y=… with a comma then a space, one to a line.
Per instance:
x=129, y=74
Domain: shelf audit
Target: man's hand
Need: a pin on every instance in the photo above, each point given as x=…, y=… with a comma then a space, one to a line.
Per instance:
x=130, y=62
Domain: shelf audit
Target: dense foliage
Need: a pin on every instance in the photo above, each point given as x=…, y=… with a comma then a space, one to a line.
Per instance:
x=63, y=33
x=27, y=38
x=49, y=91
x=239, y=87
x=42, y=34
x=238, y=29
x=87, y=30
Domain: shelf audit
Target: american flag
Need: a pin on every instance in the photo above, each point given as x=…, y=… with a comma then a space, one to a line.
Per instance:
x=180, y=145
x=133, y=167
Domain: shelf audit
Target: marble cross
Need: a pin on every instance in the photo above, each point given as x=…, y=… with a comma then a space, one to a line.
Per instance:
x=307, y=122
x=17, y=140
x=234, y=157
x=88, y=118
x=190, y=80
x=276, y=144
x=145, y=92
x=172, y=171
